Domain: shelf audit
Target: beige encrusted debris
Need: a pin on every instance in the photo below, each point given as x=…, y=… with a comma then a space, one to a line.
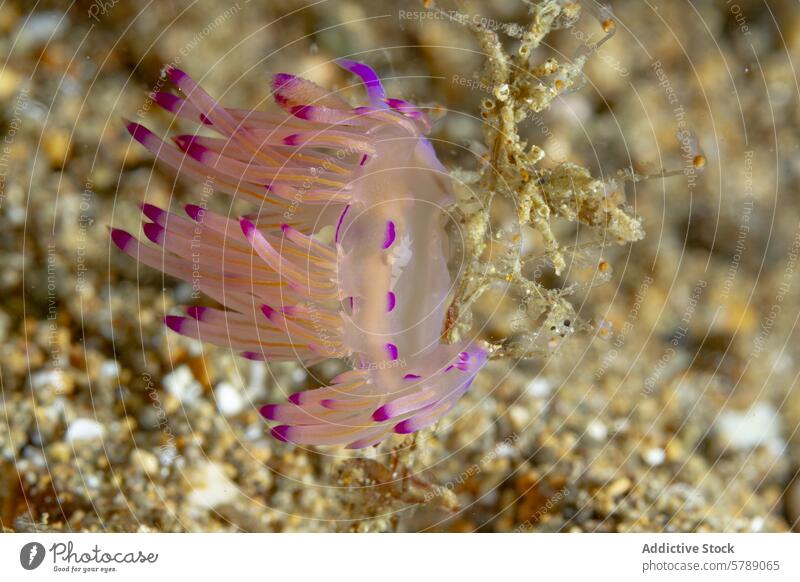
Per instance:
x=512, y=171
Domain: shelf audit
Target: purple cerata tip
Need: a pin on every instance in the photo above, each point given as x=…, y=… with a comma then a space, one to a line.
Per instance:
x=176, y=75
x=281, y=433
x=281, y=79
x=302, y=111
x=174, y=322
x=291, y=139
x=392, y=350
x=405, y=427
x=152, y=212
x=268, y=411
x=121, y=238
x=195, y=151
x=154, y=232
x=398, y=104
x=255, y=356
x=390, y=235
x=196, y=311
x=296, y=398
x=168, y=101
x=391, y=301
x=248, y=228
x=268, y=311
x=194, y=211
x=205, y=120
x=363, y=160
x=381, y=414
x=139, y=132
x=411, y=377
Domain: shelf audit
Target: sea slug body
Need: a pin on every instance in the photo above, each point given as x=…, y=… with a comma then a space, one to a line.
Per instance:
x=375, y=294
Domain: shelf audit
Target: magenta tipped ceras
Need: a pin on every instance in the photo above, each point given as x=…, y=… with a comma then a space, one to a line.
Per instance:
x=375, y=294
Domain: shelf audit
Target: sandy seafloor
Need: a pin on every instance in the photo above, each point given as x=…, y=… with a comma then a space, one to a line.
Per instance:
x=685, y=418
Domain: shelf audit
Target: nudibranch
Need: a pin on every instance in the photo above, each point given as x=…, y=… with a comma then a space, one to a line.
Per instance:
x=373, y=291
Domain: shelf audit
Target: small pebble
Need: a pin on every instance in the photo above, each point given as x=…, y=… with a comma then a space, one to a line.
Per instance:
x=57, y=147
x=182, y=385
x=597, y=430
x=84, y=429
x=654, y=456
x=230, y=401
x=539, y=387
x=298, y=375
x=259, y=376
x=109, y=369
x=147, y=462
x=9, y=83
x=254, y=431
x=520, y=417
x=210, y=487
x=748, y=429
x=41, y=28
x=168, y=455
x=50, y=379
x=619, y=487
x=505, y=451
